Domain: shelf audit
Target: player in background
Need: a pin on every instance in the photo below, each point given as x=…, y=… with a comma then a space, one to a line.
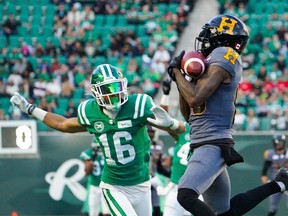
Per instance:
x=156, y=151
x=94, y=162
x=274, y=159
x=118, y=122
x=178, y=160
x=208, y=104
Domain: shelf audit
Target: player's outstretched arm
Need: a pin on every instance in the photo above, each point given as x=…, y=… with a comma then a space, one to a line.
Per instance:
x=52, y=120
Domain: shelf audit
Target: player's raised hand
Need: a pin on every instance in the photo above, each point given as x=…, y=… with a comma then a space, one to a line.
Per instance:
x=163, y=119
x=175, y=63
x=20, y=102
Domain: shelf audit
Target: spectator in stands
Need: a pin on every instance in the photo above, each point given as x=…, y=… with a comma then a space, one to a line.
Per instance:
x=74, y=15
x=161, y=59
x=26, y=49
x=55, y=65
x=279, y=120
x=64, y=47
x=38, y=51
x=3, y=86
x=114, y=48
x=15, y=77
x=151, y=25
x=71, y=110
x=100, y=7
x=66, y=88
x=252, y=121
x=13, y=56
x=88, y=13
x=111, y=7
x=78, y=49
x=99, y=49
x=3, y=116
x=262, y=108
x=51, y=49
x=61, y=13
x=54, y=86
x=10, y=26
x=240, y=120
x=85, y=84
x=47, y=103
x=39, y=88
x=131, y=73
x=20, y=66
x=59, y=29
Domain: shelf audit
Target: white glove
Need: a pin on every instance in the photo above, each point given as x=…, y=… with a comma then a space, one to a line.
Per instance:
x=20, y=102
x=162, y=191
x=155, y=181
x=162, y=118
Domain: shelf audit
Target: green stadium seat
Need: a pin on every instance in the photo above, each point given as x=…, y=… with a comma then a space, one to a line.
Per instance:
x=5, y=102
x=13, y=41
x=162, y=7
x=112, y=60
x=145, y=40
x=121, y=20
x=78, y=93
x=99, y=20
x=99, y=60
x=62, y=59
x=62, y=103
x=265, y=123
x=22, y=30
x=33, y=60
x=140, y=30
x=109, y=20
x=173, y=7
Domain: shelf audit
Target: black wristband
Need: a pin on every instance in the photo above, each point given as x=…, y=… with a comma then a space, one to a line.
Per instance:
x=31, y=109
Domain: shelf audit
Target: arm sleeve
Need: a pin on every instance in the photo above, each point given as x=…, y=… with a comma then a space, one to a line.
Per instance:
x=265, y=168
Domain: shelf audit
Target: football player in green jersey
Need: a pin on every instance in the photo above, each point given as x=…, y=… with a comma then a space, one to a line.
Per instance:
x=94, y=162
x=118, y=122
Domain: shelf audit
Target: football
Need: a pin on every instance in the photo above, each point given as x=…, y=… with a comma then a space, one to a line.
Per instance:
x=193, y=63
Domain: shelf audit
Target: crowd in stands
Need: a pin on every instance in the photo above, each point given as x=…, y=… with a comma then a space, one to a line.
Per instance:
x=263, y=94
x=52, y=66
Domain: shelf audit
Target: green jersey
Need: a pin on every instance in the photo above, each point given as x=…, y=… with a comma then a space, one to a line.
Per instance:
x=98, y=163
x=123, y=140
x=180, y=154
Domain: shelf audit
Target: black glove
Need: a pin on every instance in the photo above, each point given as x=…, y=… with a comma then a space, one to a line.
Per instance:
x=166, y=86
x=175, y=63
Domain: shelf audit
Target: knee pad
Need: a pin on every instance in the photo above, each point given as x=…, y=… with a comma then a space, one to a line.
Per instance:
x=186, y=196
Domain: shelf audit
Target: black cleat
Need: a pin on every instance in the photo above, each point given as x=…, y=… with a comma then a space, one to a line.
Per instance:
x=282, y=176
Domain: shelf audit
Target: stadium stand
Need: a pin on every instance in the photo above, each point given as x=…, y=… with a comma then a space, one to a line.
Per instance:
x=122, y=33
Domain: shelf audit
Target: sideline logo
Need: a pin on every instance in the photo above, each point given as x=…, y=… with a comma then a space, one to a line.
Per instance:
x=58, y=180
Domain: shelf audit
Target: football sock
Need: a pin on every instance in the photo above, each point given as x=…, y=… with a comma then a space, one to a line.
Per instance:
x=188, y=199
x=244, y=202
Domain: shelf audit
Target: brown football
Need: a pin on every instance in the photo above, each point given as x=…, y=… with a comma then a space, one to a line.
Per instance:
x=193, y=63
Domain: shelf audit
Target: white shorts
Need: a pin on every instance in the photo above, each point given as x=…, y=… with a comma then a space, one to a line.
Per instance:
x=128, y=200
